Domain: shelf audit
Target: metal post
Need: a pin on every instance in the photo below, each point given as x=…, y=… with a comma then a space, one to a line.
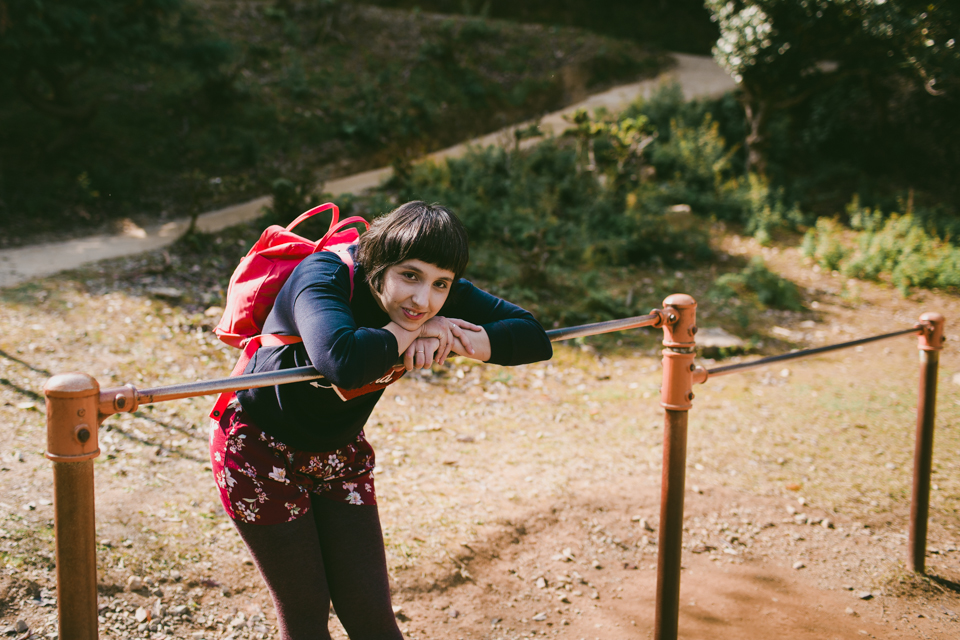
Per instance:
x=931, y=342
x=676, y=397
x=72, y=421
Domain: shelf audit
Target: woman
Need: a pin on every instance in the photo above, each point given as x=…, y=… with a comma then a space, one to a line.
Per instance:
x=293, y=468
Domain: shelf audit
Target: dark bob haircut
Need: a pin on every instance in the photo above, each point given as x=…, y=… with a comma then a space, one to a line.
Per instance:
x=414, y=231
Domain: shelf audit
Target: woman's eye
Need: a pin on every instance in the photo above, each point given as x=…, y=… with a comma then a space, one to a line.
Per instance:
x=409, y=275
x=440, y=285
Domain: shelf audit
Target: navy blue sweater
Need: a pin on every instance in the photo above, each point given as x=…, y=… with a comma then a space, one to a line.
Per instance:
x=342, y=339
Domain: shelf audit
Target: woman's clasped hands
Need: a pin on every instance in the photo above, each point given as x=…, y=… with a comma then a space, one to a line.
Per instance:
x=438, y=337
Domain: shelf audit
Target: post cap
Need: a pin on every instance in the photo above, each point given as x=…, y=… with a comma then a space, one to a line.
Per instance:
x=72, y=422
x=71, y=385
x=680, y=326
x=931, y=338
x=679, y=301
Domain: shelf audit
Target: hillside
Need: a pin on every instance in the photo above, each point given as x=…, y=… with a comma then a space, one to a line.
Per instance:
x=309, y=91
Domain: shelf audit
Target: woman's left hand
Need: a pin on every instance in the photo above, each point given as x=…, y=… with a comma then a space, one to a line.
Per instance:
x=473, y=341
x=421, y=353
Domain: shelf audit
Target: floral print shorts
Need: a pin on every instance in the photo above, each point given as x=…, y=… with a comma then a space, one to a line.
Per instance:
x=264, y=481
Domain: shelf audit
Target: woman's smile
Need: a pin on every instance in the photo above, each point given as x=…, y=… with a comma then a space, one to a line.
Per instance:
x=412, y=314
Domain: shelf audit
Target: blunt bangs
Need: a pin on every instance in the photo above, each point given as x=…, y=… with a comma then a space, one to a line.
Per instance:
x=414, y=231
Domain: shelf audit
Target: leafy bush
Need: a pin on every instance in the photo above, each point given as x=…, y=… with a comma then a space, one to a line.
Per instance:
x=543, y=205
x=698, y=158
x=290, y=199
x=895, y=246
x=822, y=243
x=757, y=282
x=547, y=222
x=695, y=163
x=768, y=212
x=898, y=245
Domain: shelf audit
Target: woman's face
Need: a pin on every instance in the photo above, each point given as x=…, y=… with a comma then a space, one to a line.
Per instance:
x=413, y=292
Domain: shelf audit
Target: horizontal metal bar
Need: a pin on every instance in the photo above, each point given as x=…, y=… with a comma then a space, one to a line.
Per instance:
x=221, y=385
x=609, y=326
x=806, y=353
x=303, y=374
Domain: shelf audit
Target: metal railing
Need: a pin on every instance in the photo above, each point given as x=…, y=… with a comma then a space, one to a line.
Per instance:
x=128, y=398
x=805, y=353
x=76, y=406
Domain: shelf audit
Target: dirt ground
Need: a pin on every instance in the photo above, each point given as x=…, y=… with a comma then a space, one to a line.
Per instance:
x=517, y=502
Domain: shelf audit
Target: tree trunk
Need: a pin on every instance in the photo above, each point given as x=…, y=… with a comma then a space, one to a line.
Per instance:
x=756, y=111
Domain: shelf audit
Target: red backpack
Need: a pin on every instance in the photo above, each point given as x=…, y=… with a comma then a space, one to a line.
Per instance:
x=261, y=274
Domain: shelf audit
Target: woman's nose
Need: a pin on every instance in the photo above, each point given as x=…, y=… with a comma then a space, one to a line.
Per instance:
x=420, y=297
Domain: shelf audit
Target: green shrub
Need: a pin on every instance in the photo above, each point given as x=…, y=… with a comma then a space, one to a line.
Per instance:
x=544, y=207
x=767, y=211
x=899, y=246
x=894, y=246
x=757, y=282
x=697, y=164
x=290, y=199
x=822, y=243
x=546, y=223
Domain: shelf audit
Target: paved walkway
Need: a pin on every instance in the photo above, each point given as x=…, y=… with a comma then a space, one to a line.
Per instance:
x=698, y=76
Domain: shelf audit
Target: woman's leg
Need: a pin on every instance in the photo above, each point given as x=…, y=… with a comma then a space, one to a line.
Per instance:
x=289, y=559
x=356, y=568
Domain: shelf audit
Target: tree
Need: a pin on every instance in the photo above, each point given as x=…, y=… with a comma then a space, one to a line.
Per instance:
x=47, y=46
x=783, y=52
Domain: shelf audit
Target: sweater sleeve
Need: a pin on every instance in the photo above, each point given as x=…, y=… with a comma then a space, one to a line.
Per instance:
x=347, y=355
x=515, y=335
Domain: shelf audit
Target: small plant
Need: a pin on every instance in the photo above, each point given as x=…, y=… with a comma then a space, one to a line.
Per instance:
x=757, y=282
x=290, y=199
x=767, y=211
x=822, y=243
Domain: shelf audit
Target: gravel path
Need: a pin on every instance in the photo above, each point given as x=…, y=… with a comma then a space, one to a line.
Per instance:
x=698, y=76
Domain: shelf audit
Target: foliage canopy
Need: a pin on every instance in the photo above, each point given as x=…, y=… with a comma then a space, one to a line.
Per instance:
x=838, y=55
x=46, y=46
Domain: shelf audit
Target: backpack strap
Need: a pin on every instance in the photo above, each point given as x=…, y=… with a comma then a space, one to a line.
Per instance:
x=250, y=348
x=336, y=226
x=343, y=252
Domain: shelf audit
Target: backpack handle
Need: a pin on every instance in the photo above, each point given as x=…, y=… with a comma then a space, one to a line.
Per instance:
x=336, y=226
x=335, y=223
x=312, y=212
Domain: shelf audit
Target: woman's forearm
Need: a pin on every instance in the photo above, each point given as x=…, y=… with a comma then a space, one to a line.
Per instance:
x=479, y=341
x=404, y=338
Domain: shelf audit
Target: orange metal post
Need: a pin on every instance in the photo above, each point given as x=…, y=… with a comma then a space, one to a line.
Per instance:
x=676, y=397
x=72, y=421
x=931, y=342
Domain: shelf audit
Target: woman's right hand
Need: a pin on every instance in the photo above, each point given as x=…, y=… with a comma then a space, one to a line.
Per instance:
x=420, y=354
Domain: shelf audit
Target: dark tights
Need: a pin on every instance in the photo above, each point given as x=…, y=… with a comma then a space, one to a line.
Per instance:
x=335, y=555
